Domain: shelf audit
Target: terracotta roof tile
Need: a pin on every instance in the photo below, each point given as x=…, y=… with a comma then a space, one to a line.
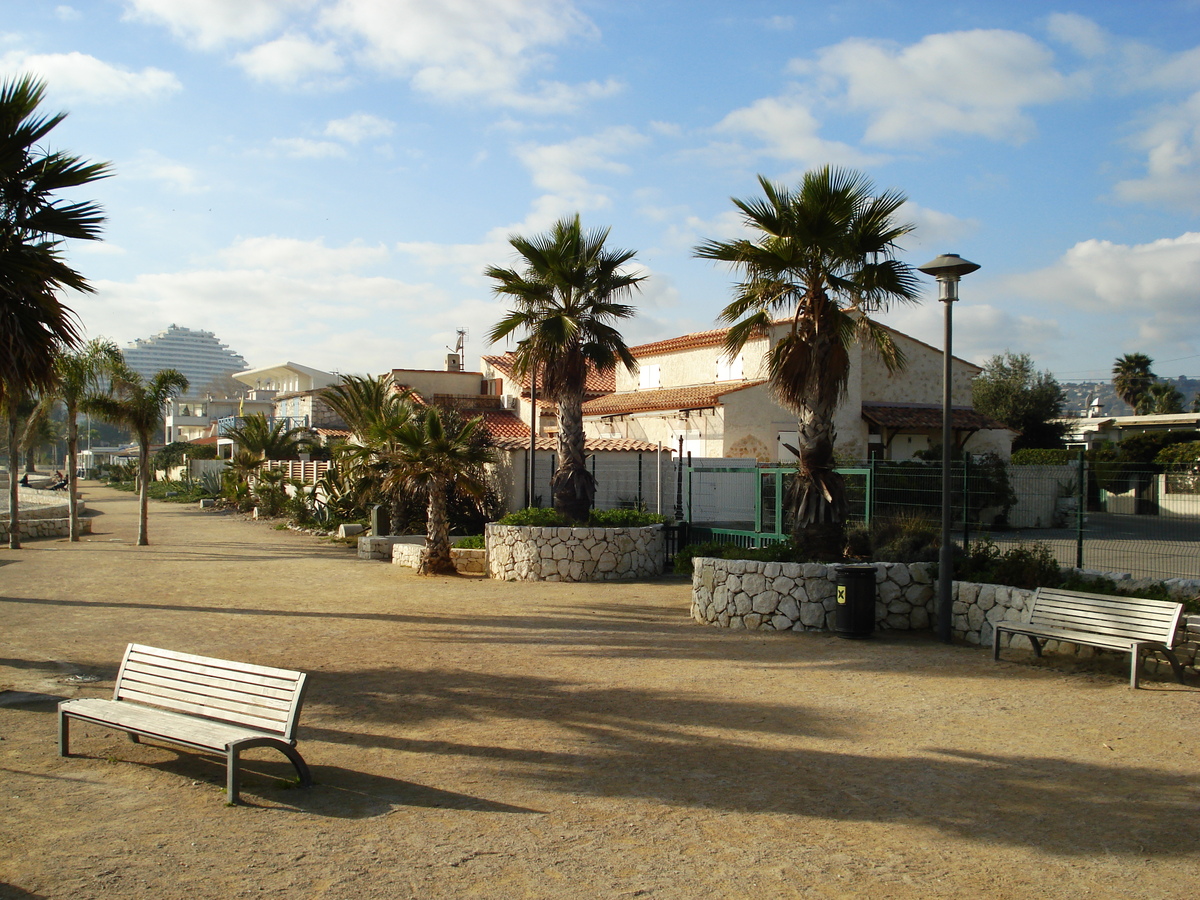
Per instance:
x=600, y=445
x=503, y=424
x=698, y=396
x=598, y=383
x=925, y=415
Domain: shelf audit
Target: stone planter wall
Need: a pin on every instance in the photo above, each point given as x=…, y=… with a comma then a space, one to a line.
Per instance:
x=762, y=596
x=758, y=596
x=44, y=514
x=371, y=547
x=526, y=553
x=466, y=562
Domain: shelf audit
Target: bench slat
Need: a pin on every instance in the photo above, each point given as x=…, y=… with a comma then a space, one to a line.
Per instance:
x=1151, y=618
x=1102, y=626
x=215, y=687
x=200, y=709
x=217, y=707
x=1069, y=635
x=230, y=672
x=159, y=723
x=143, y=650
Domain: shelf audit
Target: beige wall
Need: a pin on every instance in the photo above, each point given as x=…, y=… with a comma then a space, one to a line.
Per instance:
x=432, y=381
x=921, y=379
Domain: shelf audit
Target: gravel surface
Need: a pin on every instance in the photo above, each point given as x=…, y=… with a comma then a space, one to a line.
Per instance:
x=481, y=739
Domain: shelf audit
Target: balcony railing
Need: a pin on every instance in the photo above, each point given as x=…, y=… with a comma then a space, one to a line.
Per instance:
x=225, y=423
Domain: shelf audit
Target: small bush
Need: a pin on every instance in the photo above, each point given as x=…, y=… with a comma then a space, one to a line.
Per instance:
x=905, y=539
x=1044, y=457
x=471, y=542
x=1024, y=565
x=545, y=517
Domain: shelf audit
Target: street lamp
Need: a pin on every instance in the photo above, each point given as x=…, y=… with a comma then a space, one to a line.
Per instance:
x=947, y=269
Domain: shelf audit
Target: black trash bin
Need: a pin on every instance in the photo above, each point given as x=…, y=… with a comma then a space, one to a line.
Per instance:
x=379, y=521
x=855, y=616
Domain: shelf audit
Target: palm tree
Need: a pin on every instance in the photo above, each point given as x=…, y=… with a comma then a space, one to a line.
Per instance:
x=139, y=405
x=1160, y=399
x=1132, y=376
x=268, y=439
x=566, y=299
x=78, y=375
x=375, y=412
x=822, y=255
x=434, y=461
x=35, y=325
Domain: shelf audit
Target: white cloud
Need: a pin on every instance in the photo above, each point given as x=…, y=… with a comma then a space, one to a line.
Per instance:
x=78, y=77
x=1080, y=33
x=358, y=127
x=290, y=60
x=292, y=256
x=934, y=229
x=67, y=14
x=175, y=175
x=558, y=168
x=469, y=49
x=1171, y=142
x=1150, y=287
x=304, y=148
x=969, y=82
x=780, y=23
x=788, y=131
x=209, y=24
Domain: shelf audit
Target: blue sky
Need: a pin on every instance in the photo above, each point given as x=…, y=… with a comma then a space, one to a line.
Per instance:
x=324, y=181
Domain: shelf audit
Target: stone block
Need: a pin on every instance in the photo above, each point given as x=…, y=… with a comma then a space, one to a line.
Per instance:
x=790, y=608
x=764, y=602
x=781, y=623
x=812, y=614
x=752, y=621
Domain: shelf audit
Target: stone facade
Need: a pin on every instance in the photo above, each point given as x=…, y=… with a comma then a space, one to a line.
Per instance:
x=525, y=553
x=43, y=514
x=759, y=596
x=466, y=562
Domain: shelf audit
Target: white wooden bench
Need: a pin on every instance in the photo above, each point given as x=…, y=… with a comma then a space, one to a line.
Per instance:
x=1130, y=624
x=207, y=704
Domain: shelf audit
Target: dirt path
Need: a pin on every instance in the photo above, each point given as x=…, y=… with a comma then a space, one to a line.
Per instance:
x=481, y=739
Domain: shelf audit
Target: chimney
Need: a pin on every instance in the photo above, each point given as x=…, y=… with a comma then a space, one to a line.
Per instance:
x=453, y=362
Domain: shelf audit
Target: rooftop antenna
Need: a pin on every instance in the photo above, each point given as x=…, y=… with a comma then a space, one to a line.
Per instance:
x=460, y=343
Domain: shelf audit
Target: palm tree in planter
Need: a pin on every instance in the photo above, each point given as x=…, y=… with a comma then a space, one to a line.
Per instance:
x=822, y=256
x=1132, y=377
x=139, y=406
x=566, y=298
x=374, y=411
x=434, y=461
x=78, y=375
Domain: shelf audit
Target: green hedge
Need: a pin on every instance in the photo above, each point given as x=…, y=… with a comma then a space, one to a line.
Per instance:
x=541, y=517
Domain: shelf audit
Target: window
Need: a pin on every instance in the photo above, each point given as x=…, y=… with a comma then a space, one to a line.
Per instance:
x=729, y=369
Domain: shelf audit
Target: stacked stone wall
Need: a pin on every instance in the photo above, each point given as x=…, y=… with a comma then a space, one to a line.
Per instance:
x=527, y=553
x=466, y=561
x=761, y=596
x=43, y=514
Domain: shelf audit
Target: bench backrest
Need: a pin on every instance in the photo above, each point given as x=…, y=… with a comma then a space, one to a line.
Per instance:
x=257, y=697
x=1131, y=618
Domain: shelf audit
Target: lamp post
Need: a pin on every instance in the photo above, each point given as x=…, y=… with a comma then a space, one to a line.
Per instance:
x=947, y=269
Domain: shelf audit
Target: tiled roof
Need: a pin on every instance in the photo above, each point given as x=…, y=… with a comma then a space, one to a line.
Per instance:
x=503, y=424
x=598, y=383
x=925, y=416
x=333, y=432
x=591, y=445
x=683, y=342
x=698, y=396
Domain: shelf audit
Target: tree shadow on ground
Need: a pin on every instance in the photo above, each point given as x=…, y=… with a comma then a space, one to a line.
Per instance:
x=760, y=758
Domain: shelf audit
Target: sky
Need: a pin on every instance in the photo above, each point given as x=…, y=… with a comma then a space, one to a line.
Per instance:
x=325, y=181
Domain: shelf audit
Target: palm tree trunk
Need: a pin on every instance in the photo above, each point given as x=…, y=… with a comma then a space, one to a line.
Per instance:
x=573, y=485
x=143, y=489
x=72, y=469
x=14, y=463
x=435, y=558
x=818, y=494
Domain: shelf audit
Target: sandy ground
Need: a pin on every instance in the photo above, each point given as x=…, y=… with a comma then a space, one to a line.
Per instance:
x=480, y=739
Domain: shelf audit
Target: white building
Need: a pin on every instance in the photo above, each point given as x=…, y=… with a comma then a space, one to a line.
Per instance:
x=197, y=354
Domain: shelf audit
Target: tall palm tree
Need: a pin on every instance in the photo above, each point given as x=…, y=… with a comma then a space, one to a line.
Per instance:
x=78, y=375
x=139, y=405
x=1132, y=376
x=375, y=412
x=268, y=439
x=35, y=325
x=434, y=461
x=823, y=256
x=566, y=297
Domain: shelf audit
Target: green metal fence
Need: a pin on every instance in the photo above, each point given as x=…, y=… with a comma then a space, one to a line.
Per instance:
x=1137, y=520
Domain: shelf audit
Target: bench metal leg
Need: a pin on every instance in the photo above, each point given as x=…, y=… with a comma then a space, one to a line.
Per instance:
x=232, y=774
x=233, y=764
x=1175, y=665
x=64, y=734
x=1135, y=665
x=995, y=643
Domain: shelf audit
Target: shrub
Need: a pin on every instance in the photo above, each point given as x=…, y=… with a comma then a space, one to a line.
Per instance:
x=1024, y=565
x=545, y=517
x=904, y=539
x=1044, y=457
x=471, y=542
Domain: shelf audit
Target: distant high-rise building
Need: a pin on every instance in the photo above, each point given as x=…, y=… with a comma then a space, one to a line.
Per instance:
x=197, y=354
